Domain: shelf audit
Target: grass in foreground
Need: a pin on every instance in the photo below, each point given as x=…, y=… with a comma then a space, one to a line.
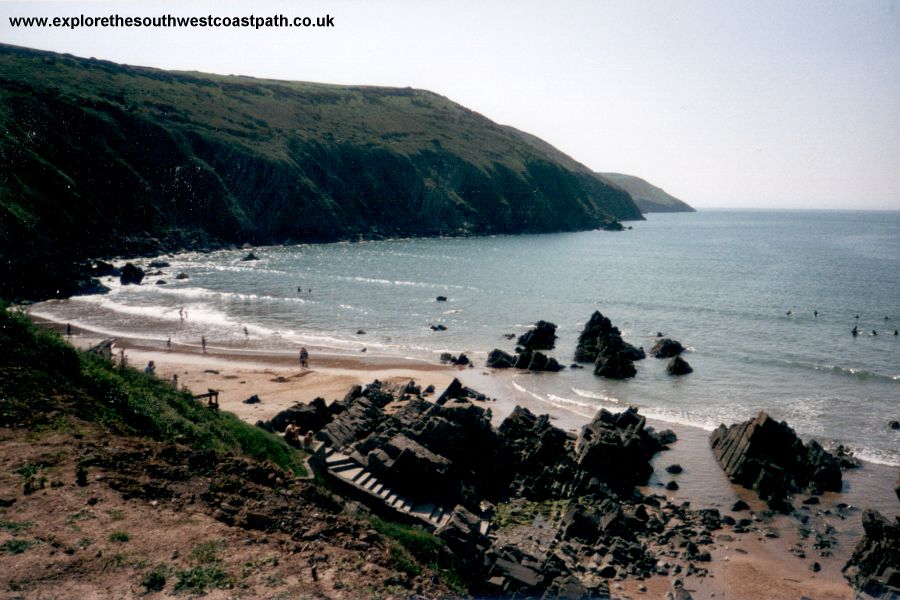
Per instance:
x=42, y=378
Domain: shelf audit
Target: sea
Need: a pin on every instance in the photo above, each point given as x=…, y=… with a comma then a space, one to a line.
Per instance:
x=764, y=301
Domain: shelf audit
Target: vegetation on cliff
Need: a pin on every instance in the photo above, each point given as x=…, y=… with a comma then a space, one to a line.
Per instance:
x=103, y=159
x=647, y=196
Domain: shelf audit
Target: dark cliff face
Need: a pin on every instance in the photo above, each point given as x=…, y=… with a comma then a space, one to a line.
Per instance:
x=104, y=159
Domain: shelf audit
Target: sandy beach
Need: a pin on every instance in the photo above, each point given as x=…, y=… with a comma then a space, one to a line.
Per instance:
x=778, y=564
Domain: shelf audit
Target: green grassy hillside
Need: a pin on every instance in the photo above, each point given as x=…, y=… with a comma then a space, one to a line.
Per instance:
x=103, y=159
x=44, y=382
x=647, y=196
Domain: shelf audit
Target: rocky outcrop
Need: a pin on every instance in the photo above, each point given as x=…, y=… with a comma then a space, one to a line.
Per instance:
x=678, y=366
x=767, y=456
x=535, y=453
x=537, y=361
x=542, y=337
x=312, y=416
x=601, y=342
x=666, y=348
x=597, y=328
x=615, y=449
x=498, y=359
x=131, y=274
x=874, y=567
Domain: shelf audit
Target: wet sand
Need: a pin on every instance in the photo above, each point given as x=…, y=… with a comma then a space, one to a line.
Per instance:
x=748, y=565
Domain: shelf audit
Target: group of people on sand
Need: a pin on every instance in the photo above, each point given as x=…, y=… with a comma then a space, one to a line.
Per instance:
x=292, y=434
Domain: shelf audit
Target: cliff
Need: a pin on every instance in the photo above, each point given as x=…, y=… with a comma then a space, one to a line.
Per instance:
x=647, y=196
x=102, y=159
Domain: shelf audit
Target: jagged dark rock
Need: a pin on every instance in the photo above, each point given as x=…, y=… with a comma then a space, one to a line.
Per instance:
x=182, y=276
x=309, y=417
x=767, y=456
x=498, y=359
x=441, y=299
x=105, y=269
x=250, y=256
x=541, y=337
x=131, y=274
x=874, y=567
x=594, y=330
x=158, y=264
x=678, y=366
x=601, y=342
x=616, y=366
x=666, y=348
x=536, y=361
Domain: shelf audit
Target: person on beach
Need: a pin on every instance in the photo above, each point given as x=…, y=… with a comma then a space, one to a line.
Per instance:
x=291, y=434
x=816, y=314
x=122, y=362
x=304, y=358
x=203, y=343
x=69, y=329
x=169, y=343
x=175, y=380
x=181, y=313
x=246, y=333
x=150, y=369
x=308, y=440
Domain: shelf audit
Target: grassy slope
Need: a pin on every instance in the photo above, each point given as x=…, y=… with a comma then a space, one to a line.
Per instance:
x=42, y=379
x=103, y=158
x=647, y=196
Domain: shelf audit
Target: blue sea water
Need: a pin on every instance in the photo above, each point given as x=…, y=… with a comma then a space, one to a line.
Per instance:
x=721, y=282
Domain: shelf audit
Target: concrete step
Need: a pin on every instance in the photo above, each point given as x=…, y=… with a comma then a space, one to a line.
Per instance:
x=350, y=474
x=436, y=513
x=484, y=526
x=362, y=479
x=407, y=506
x=385, y=492
x=443, y=520
x=398, y=502
x=343, y=466
x=372, y=483
x=376, y=489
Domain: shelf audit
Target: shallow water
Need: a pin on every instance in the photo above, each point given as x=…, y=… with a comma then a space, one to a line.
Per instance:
x=720, y=282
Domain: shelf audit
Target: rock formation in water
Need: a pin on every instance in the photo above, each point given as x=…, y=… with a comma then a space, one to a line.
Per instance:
x=768, y=457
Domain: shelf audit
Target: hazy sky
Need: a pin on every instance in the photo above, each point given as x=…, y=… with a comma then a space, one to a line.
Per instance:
x=746, y=104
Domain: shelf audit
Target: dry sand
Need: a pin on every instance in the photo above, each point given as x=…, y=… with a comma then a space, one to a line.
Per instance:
x=743, y=566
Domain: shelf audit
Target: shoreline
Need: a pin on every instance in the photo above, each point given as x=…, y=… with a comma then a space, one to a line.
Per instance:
x=750, y=565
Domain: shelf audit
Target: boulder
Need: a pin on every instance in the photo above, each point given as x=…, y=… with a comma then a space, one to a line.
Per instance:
x=666, y=348
x=616, y=449
x=312, y=416
x=250, y=256
x=617, y=366
x=498, y=359
x=104, y=269
x=161, y=282
x=874, y=567
x=595, y=329
x=533, y=458
x=158, y=264
x=131, y=274
x=441, y=299
x=767, y=456
x=413, y=469
x=537, y=361
x=542, y=337
x=182, y=276
x=359, y=419
x=678, y=366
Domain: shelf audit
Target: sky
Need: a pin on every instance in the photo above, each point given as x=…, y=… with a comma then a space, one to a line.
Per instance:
x=752, y=104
